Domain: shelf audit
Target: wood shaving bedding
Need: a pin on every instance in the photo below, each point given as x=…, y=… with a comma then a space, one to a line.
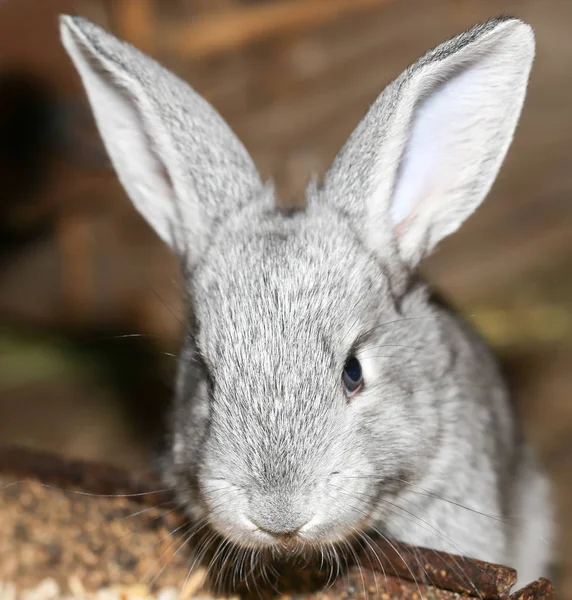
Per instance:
x=49, y=589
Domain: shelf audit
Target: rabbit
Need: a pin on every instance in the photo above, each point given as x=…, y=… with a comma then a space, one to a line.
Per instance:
x=322, y=393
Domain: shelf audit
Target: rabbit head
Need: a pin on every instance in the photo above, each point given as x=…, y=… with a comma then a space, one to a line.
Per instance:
x=311, y=380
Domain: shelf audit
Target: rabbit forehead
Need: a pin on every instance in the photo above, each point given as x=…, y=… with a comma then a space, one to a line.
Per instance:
x=291, y=283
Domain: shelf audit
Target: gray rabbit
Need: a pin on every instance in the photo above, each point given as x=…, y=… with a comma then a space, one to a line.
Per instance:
x=322, y=393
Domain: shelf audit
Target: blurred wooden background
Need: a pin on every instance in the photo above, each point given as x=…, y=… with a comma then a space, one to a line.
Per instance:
x=90, y=304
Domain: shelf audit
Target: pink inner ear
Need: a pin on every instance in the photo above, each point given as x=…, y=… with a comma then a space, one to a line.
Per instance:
x=401, y=227
x=440, y=170
x=423, y=203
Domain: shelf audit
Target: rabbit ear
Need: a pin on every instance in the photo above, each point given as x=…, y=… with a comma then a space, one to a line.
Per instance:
x=177, y=159
x=427, y=152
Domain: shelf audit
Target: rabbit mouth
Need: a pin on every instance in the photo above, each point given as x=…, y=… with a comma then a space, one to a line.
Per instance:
x=290, y=546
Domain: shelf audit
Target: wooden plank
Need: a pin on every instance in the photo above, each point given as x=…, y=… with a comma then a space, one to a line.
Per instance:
x=134, y=21
x=227, y=31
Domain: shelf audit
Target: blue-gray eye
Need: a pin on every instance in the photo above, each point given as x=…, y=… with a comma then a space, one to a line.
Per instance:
x=352, y=376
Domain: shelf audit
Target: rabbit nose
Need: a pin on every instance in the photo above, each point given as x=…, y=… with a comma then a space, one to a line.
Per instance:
x=278, y=515
x=282, y=534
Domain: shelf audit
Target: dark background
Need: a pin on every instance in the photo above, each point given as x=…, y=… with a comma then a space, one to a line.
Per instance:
x=90, y=303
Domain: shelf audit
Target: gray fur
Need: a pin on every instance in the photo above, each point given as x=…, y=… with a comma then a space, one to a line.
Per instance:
x=264, y=439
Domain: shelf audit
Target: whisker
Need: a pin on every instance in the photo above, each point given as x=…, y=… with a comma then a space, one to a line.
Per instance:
x=358, y=565
x=359, y=538
x=365, y=538
x=427, y=493
x=337, y=560
x=238, y=565
x=155, y=518
x=370, y=499
x=427, y=526
x=253, y=564
x=384, y=537
x=179, y=318
x=375, y=280
x=458, y=568
x=330, y=563
x=199, y=556
x=200, y=524
x=174, y=541
x=94, y=495
x=372, y=546
x=238, y=572
x=149, y=508
x=219, y=551
x=402, y=320
x=90, y=494
x=381, y=356
x=131, y=335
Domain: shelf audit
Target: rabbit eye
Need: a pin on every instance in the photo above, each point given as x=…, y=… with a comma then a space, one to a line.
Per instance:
x=352, y=376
